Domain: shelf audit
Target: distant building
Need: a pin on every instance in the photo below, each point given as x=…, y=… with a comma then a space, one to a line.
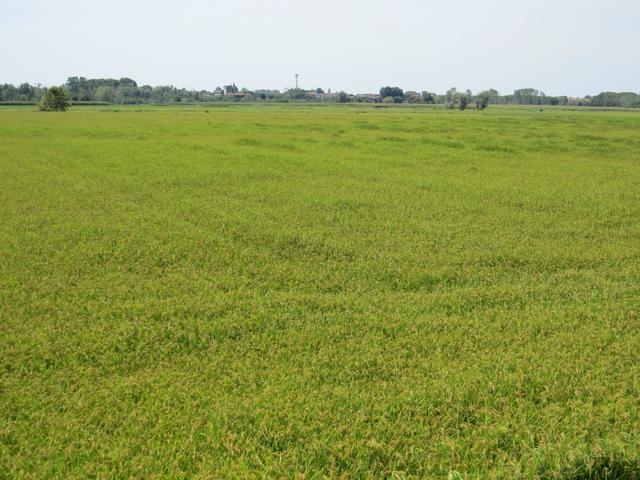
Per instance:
x=577, y=101
x=231, y=89
x=413, y=97
x=218, y=92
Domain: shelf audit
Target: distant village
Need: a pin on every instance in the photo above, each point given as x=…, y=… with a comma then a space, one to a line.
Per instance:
x=526, y=96
x=127, y=91
x=233, y=92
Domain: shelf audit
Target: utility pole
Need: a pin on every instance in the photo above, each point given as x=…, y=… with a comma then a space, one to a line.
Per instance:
x=297, y=75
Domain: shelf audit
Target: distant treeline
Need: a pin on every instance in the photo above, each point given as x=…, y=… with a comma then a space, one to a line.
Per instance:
x=127, y=91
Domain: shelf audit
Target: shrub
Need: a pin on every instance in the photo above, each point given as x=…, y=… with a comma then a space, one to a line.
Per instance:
x=55, y=99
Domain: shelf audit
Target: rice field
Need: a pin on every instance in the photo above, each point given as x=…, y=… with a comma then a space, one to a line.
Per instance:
x=318, y=292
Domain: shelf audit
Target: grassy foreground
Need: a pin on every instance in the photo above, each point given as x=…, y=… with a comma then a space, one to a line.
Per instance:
x=319, y=292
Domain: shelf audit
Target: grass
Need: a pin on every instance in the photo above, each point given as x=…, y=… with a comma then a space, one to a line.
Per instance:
x=319, y=292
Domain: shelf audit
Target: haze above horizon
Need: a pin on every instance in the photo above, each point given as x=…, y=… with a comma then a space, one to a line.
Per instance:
x=568, y=47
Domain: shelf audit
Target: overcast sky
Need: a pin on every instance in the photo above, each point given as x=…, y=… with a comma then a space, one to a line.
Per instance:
x=573, y=47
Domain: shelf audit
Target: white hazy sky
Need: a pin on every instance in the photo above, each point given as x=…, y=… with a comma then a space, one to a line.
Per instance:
x=573, y=47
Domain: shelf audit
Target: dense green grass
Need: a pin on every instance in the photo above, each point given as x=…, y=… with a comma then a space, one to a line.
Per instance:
x=314, y=292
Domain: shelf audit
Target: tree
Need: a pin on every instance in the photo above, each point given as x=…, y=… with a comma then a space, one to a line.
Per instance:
x=297, y=93
x=451, y=98
x=25, y=91
x=428, y=97
x=494, y=96
x=105, y=93
x=463, y=101
x=482, y=100
x=615, y=99
x=9, y=92
x=526, y=96
x=319, y=91
x=343, y=97
x=395, y=93
x=55, y=99
x=456, y=99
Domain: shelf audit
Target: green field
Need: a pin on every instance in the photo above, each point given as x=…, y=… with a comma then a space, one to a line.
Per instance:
x=319, y=292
